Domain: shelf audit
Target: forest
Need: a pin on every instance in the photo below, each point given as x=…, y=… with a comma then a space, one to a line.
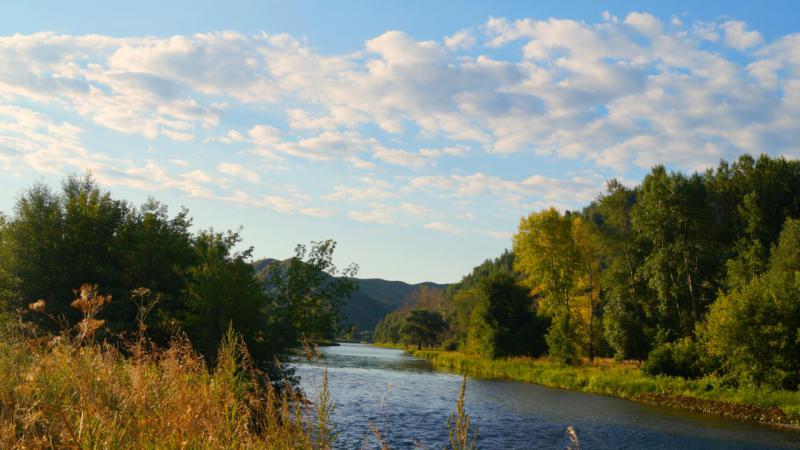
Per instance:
x=692, y=275
x=60, y=245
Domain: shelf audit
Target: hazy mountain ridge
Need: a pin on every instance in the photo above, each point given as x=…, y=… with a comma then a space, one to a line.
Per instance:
x=374, y=298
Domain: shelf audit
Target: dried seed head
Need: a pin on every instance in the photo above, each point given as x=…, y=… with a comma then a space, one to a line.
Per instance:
x=37, y=306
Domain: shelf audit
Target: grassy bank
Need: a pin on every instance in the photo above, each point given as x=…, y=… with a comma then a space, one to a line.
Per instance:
x=626, y=380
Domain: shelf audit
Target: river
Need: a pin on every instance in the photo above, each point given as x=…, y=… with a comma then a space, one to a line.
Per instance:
x=409, y=402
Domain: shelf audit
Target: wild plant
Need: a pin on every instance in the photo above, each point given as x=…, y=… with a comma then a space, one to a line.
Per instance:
x=462, y=435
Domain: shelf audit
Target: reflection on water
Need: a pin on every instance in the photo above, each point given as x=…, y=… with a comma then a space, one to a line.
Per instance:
x=410, y=402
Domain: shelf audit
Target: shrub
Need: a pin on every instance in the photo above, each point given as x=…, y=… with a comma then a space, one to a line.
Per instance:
x=681, y=358
x=561, y=340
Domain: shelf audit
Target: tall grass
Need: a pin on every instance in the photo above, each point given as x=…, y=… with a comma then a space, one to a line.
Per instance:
x=68, y=392
x=626, y=380
x=56, y=394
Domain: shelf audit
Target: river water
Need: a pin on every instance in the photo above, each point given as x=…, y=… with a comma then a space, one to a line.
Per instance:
x=409, y=402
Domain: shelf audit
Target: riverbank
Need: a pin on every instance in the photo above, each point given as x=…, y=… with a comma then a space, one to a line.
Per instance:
x=625, y=380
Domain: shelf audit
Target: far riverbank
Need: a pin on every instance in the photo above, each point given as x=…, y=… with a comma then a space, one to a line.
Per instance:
x=706, y=395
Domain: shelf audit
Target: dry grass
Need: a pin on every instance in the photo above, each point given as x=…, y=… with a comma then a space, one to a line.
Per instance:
x=57, y=394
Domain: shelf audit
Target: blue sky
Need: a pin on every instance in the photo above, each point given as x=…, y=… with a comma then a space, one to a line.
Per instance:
x=414, y=133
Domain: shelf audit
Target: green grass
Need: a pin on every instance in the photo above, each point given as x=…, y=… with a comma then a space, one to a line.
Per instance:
x=626, y=380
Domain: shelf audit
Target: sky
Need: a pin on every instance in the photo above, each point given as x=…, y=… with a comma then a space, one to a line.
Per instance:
x=416, y=133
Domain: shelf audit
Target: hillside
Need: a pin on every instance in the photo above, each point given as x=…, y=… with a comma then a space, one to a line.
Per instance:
x=374, y=298
x=392, y=293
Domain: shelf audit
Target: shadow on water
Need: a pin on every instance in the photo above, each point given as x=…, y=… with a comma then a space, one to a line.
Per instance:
x=410, y=403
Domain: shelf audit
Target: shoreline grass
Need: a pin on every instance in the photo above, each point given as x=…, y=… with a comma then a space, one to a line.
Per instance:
x=706, y=395
x=56, y=393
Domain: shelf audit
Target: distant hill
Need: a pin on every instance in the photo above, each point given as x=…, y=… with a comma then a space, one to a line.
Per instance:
x=392, y=293
x=374, y=298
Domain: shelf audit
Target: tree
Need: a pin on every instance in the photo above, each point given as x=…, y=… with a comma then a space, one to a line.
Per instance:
x=56, y=242
x=221, y=293
x=503, y=322
x=547, y=259
x=459, y=313
x=755, y=329
x=561, y=339
x=426, y=297
x=587, y=246
x=388, y=329
x=306, y=294
x=683, y=262
x=155, y=251
x=422, y=327
x=550, y=263
x=626, y=312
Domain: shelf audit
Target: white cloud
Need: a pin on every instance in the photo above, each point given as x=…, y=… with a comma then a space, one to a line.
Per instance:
x=598, y=96
x=319, y=213
x=463, y=39
x=238, y=171
x=645, y=23
x=738, y=37
x=400, y=157
x=180, y=162
x=371, y=189
x=380, y=214
x=443, y=227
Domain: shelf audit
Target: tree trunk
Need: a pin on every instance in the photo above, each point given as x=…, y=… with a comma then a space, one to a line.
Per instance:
x=690, y=282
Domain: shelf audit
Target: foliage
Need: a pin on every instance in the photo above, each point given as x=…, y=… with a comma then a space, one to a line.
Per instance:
x=221, y=292
x=504, y=322
x=388, y=329
x=627, y=380
x=547, y=258
x=305, y=295
x=755, y=330
x=678, y=359
x=56, y=240
x=561, y=340
x=422, y=327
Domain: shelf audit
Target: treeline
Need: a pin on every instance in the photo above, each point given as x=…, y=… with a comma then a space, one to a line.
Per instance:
x=197, y=283
x=693, y=274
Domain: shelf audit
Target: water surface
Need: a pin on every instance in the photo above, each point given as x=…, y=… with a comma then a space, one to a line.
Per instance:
x=409, y=402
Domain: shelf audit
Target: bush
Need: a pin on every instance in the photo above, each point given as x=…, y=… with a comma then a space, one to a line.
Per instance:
x=679, y=359
x=561, y=340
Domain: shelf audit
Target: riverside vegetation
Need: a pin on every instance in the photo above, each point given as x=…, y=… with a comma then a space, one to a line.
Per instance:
x=187, y=355
x=682, y=291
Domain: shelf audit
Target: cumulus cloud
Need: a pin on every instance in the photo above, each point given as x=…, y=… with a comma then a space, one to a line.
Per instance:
x=238, y=171
x=463, y=39
x=608, y=96
x=380, y=214
x=645, y=23
x=739, y=37
x=443, y=227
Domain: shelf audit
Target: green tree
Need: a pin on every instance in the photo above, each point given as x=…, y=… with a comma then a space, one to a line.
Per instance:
x=222, y=292
x=388, y=329
x=561, y=339
x=755, y=330
x=626, y=313
x=55, y=242
x=503, y=322
x=306, y=295
x=551, y=265
x=422, y=327
x=683, y=264
x=587, y=245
